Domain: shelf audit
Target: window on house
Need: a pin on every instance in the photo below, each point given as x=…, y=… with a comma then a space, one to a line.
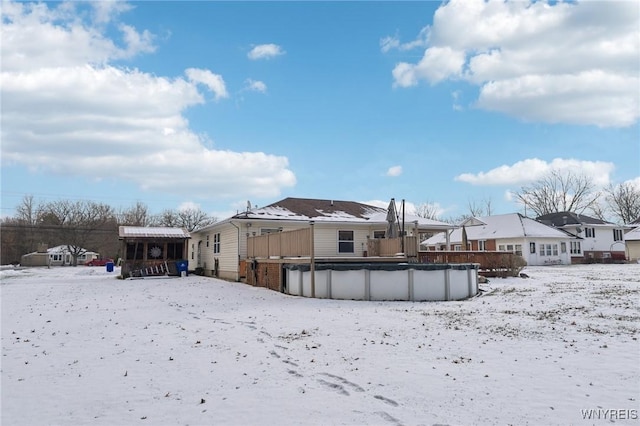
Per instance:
x=555, y=249
x=617, y=235
x=532, y=247
x=379, y=234
x=519, y=249
x=207, y=240
x=563, y=247
x=345, y=242
x=590, y=232
x=510, y=247
x=482, y=245
x=575, y=247
x=216, y=243
x=457, y=247
x=501, y=247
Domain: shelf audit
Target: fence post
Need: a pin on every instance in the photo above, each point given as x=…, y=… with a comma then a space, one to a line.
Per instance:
x=313, y=263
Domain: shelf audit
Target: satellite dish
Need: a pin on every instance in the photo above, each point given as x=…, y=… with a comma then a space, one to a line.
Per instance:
x=579, y=229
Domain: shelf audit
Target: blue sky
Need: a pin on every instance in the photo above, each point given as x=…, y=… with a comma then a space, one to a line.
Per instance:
x=211, y=104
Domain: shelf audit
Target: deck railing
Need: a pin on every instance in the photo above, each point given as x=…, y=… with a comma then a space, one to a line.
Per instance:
x=492, y=263
x=392, y=246
x=280, y=244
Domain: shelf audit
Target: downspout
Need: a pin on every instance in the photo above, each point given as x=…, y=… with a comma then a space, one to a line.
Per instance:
x=238, y=254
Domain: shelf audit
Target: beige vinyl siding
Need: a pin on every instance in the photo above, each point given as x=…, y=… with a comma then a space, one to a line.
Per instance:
x=633, y=250
x=228, y=256
x=326, y=239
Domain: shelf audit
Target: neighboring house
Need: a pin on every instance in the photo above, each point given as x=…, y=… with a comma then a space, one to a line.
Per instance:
x=341, y=229
x=632, y=242
x=55, y=256
x=537, y=243
x=594, y=240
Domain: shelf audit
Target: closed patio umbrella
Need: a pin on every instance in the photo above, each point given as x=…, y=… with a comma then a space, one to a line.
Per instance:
x=392, y=227
x=465, y=242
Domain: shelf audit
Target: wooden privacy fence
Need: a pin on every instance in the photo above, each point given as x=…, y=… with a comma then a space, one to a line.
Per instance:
x=492, y=263
x=280, y=244
x=392, y=246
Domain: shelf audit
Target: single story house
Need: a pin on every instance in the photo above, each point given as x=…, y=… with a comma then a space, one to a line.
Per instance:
x=340, y=229
x=594, y=240
x=56, y=256
x=537, y=243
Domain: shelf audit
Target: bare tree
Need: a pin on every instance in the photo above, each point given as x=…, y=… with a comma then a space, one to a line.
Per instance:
x=189, y=219
x=78, y=224
x=558, y=192
x=624, y=201
x=192, y=219
x=138, y=215
x=168, y=218
x=480, y=208
x=428, y=210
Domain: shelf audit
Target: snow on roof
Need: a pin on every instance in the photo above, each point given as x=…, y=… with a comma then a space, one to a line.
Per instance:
x=306, y=209
x=633, y=235
x=63, y=249
x=512, y=225
x=152, y=232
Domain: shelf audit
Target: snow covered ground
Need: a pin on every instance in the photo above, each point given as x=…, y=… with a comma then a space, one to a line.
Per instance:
x=82, y=347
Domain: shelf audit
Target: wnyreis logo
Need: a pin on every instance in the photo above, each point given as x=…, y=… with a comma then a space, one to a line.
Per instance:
x=609, y=414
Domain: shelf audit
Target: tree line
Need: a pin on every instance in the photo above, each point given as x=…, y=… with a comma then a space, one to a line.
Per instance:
x=559, y=192
x=94, y=226
x=82, y=225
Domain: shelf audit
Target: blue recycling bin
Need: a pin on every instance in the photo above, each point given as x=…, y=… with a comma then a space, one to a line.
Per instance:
x=109, y=266
x=182, y=266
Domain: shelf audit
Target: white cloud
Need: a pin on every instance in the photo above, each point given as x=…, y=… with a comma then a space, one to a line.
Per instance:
x=66, y=110
x=188, y=205
x=393, y=42
x=533, y=169
x=437, y=64
x=566, y=62
x=394, y=171
x=214, y=82
x=265, y=51
x=255, y=86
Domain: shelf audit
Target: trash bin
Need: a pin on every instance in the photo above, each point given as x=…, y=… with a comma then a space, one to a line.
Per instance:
x=182, y=266
x=109, y=266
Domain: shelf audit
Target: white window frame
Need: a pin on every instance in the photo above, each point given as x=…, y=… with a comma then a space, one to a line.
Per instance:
x=216, y=243
x=618, y=235
x=482, y=245
x=346, y=242
x=576, y=247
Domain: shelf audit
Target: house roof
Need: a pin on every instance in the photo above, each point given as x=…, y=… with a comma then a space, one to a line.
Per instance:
x=152, y=232
x=512, y=225
x=306, y=209
x=63, y=249
x=560, y=219
x=633, y=235
x=312, y=209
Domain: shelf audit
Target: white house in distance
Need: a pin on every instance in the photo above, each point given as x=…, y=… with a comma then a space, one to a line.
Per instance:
x=342, y=229
x=55, y=256
x=594, y=240
x=537, y=243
